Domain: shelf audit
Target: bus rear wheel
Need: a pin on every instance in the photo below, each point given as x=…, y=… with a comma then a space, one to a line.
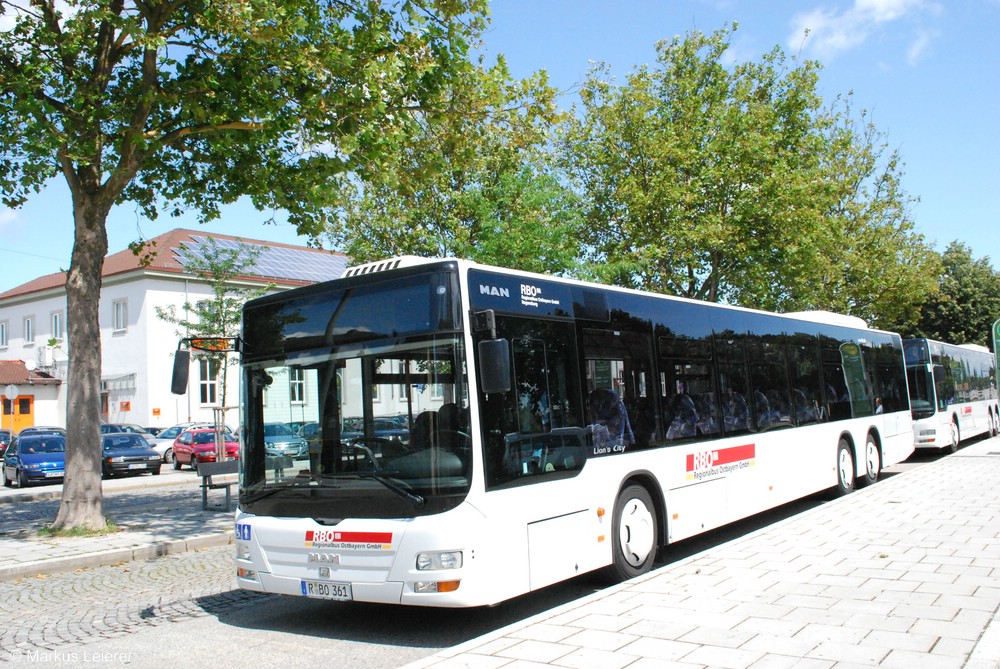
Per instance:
x=873, y=461
x=634, y=533
x=845, y=468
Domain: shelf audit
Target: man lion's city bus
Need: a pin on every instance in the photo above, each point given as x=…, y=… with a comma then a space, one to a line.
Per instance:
x=953, y=392
x=476, y=433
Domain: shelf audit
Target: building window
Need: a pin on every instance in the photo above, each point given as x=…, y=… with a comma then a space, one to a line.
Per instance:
x=29, y=331
x=3, y=334
x=57, y=325
x=119, y=315
x=297, y=385
x=209, y=381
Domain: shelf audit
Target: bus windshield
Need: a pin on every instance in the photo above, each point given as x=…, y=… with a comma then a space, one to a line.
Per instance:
x=381, y=407
x=921, y=384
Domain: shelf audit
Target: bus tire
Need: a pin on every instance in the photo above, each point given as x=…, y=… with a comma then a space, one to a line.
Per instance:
x=955, y=437
x=873, y=461
x=845, y=468
x=634, y=533
x=993, y=424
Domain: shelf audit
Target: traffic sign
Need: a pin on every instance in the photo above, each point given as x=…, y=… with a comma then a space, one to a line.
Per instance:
x=11, y=391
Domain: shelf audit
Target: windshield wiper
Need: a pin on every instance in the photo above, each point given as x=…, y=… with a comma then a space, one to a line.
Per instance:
x=295, y=483
x=418, y=501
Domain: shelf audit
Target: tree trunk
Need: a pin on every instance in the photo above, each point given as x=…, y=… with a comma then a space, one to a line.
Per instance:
x=82, y=501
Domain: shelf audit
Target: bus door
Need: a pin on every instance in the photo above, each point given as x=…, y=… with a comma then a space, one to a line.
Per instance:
x=620, y=361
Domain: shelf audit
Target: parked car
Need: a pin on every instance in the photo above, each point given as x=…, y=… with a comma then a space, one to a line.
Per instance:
x=384, y=428
x=5, y=439
x=128, y=453
x=196, y=445
x=35, y=458
x=280, y=440
x=153, y=430
x=309, y=431
x=163, y=442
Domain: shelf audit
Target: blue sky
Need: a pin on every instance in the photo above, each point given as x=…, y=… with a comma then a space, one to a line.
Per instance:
x=926, y=71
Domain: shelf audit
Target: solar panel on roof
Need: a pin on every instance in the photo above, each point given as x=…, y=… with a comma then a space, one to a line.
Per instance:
x=274, y=262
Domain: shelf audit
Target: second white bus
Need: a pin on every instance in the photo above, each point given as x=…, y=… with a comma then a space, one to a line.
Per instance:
x=953, y=392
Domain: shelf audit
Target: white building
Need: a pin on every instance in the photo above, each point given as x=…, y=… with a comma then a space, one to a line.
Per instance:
x=137, y=346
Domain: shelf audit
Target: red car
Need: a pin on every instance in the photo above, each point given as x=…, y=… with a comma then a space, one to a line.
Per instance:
x=198, y=445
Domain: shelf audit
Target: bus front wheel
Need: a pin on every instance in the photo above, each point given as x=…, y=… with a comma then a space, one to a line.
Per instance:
x=845, y=468
x=955, y=437
x=634, y=532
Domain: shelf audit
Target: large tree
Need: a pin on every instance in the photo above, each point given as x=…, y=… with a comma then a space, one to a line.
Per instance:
x=728, y=182
x=968, y=304
x=191, y=104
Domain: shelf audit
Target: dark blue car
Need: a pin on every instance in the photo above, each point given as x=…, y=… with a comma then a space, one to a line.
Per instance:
x=39, y=458
x=127, y=453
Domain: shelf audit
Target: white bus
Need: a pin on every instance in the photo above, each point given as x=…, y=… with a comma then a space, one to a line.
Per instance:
x=953, y=392
x=477, y=433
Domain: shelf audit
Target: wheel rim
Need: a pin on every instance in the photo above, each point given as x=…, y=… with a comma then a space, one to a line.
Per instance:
x=636, y=532
x=846, y=469
x=954, y=435
x=872, y=460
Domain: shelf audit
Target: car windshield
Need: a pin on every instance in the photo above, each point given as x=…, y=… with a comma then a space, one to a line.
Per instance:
x=53, y=444
x=206, y=437
x=112, y=442
x=277, y=430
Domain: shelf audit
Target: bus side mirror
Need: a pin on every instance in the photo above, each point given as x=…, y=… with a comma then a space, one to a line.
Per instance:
x=179, y=380
x=494, y=366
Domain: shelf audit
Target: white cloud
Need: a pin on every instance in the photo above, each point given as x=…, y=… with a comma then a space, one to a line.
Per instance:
x=825, y=33
x=8, y=219
x=919, y=44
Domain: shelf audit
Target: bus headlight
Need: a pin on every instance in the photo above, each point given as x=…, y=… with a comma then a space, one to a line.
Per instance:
x=440, y=560
x=242, y=552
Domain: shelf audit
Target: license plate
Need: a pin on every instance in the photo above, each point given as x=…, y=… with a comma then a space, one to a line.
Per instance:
x=324, y=590
x=137, y=466
x=53, y=475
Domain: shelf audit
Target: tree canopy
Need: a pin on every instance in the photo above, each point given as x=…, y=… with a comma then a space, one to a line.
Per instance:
x=736, y=183
x=968, y=304
x=477, y=185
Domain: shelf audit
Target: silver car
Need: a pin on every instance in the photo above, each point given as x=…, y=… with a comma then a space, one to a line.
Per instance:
x=280, y=440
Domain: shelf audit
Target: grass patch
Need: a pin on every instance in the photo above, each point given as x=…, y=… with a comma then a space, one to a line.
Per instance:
x=49, y=532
